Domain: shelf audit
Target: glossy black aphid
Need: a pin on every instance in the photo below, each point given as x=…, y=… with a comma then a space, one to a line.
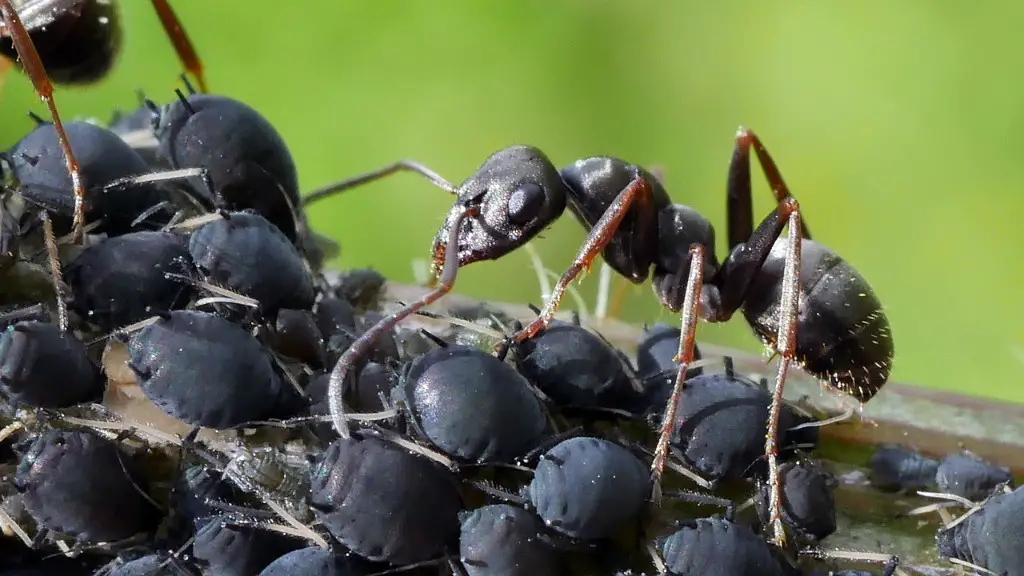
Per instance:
x=991, y=538
x=295, y=335
x=656, y=363
x=233, y=550
x=577, y=369
x=245, y=253
x=802, y=300
x=41, y=366
x=896, y=468
x=78, y=483
x=149, y=565
x=206, y=371
x=362, y=287
x=122, y=280
x=719, y=546
x=505, y=540
x=589, y=488
x=109, y=168
x=247, y=160
x=312, y=561
x=965, y=474
x=471, y=405
x=719, y=431
x=386, y=504
x=809, y=506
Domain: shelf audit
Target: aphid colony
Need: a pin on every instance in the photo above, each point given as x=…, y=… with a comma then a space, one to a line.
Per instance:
x=292, y=422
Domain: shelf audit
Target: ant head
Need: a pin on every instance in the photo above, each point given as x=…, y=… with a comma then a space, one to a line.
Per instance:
x=518, y=192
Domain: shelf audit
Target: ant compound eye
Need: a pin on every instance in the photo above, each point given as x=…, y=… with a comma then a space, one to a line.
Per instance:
x=525, y=203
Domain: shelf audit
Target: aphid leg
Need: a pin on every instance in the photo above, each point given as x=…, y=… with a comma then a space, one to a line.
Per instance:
x=705, y=500
x=33, y=67
x=889, y=562
x=362, y=345
x=785, y=345
x=179, y=39
x=35, y=312
x=600, y=235
x=55, y=270
x=400, y=166
x=739, y=203
x=684, y=356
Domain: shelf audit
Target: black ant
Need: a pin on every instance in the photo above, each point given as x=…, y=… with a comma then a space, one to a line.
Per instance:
x=805, y=303
x=76, y=42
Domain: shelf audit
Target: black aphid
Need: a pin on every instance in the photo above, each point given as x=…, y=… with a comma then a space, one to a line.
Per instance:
x=206, y=371
x=43, y=367
x=471, y=405
x=245, y=253
x=122, y=280
x=78, y=483
x=248, y=161
x=589, y=488
x=504, y=540
x=991, y=538
x=385, y=504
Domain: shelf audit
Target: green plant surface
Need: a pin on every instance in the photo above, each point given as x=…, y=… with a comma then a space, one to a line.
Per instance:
x=896, y=125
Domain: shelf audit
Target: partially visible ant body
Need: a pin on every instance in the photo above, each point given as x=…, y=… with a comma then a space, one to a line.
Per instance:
x=803, y=301
x=76, y=42
x=79, y=41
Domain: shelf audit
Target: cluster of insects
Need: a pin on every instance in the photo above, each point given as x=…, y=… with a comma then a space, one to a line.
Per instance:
x=187, y=391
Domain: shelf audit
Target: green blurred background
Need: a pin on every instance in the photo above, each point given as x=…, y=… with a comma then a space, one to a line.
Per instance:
x=896, y=124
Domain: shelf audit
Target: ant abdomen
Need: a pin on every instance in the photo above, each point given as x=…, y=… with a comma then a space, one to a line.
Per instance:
x=79, y=46
x=843, y=335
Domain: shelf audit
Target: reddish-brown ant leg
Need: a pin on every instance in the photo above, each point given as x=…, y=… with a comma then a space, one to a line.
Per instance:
x=33, y=67
x=361, y=346
x=602, y=233
x=179, y=39
x=739, y=200
x=688, y=330
x=785, y=347
x=5, y=68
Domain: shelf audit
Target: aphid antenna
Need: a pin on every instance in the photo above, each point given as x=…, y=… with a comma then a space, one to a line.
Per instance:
x=890, y=561
x=491, y=490
x=973, y=567
x=463, y=323
x=9, y=523
x=412, y=446
x=820, y=423
x=656, y=559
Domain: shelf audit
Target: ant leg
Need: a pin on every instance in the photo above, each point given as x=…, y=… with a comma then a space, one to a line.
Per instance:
x=739, y=202
x=599, y=236
x=5, y=68
x=33, y=67
x=361, y=346
x=400, y=166
x=179, y=39
x=55, y=270
x=785, y=346
x=684, y=356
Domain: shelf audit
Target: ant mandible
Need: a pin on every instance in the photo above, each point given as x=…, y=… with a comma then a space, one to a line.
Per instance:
x=80, y=40
x=805, y=303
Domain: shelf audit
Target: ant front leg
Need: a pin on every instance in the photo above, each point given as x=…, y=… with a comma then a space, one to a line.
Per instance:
x=600, y=235
x=688, y=330
x=179, y=39
x=359, y=348
x=739, y=202
x=33, y=67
